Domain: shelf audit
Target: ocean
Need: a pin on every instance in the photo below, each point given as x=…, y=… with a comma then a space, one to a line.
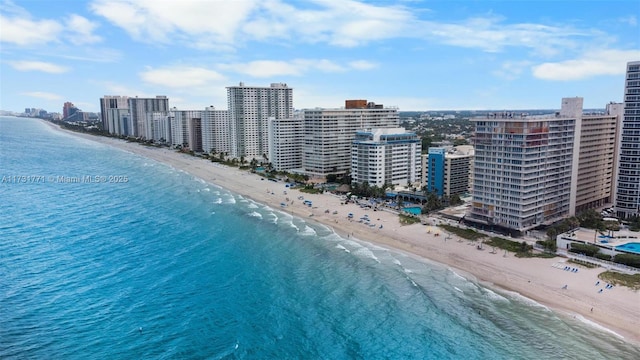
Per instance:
x=107, y=254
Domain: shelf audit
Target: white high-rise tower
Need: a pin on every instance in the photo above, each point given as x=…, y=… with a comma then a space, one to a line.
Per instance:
x=250, y=108
x=627, y=202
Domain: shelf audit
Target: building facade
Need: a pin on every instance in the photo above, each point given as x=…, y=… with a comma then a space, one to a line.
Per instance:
x=328, y=134
x=114, y=111
x=597, y=158
x=627, y=199
x=215, y=130
x=182, y=123
x=386, y=156
x=449, y=170
x=435, y=168
x=285, y=142
x=532, y=171
x=250, y=108
x=522, y=170
x=158, y=127
x=138, y=109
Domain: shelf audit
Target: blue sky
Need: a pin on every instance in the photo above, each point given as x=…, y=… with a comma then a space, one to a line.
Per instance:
x=413, y=54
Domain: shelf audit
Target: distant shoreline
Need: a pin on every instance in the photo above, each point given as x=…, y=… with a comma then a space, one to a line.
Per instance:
x=615, y=310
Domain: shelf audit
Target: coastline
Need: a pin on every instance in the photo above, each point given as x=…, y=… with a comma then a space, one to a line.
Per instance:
x=616, y=310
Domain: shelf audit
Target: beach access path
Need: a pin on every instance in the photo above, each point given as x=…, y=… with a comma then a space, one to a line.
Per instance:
x=542, y=280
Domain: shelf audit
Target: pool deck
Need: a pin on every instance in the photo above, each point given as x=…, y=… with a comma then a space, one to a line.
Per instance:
x=590, y=236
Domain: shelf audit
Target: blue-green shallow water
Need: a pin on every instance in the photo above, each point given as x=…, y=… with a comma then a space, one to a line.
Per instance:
x=208, y=274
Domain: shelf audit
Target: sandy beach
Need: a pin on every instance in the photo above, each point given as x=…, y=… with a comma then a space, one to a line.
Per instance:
x=543, y=280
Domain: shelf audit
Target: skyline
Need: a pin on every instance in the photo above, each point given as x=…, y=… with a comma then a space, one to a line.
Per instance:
x=414, y=55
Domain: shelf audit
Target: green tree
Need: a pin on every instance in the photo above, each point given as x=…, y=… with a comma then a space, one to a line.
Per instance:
x=634, y=223
x=628, y=259
x=585, y=249
x=433, y=203
x=591, y=219
x=455, y=200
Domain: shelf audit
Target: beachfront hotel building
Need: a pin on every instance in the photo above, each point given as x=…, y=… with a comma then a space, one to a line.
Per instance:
x=448, y=170
x=285, y=142
x=328, y=134
x=627, y=198
x=386, y=156
x=215, y=130
x=535, y=170
x=250, y=108
x=114, y=111
x=138, y=109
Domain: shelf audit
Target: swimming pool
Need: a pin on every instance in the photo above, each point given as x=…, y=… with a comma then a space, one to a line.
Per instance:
x=416, y=210
x=633, y=247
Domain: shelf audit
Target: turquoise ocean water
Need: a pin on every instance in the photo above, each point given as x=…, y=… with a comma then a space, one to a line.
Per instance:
x=166, y=266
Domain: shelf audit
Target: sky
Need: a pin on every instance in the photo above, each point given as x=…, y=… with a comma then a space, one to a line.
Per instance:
x=414, y=55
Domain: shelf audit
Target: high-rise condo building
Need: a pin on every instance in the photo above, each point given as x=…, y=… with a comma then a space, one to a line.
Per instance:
x=215, y=130
x=114, y=111
x=328, y=134
x=449, y=170
x=597, y=158
x=250, y=108
x=285, y=142
x=536, y=170
x=67, y=109
x=386, y=156
x=627, y=202
x=158, y=126
x=186, y=129
x=139, y=107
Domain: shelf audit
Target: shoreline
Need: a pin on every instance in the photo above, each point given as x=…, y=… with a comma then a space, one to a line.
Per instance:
x=616, y=311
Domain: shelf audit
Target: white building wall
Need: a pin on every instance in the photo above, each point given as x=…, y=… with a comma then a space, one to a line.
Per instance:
x=249, y=111
x=215, y=130
x=627, y=202
x=328, y=134
x=285, y=143
x=390, y=155
x=138, y=108
x=158, y=127
x=111, y=108
x=523, y=170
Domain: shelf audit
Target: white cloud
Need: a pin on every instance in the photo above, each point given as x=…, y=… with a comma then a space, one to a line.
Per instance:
x=21, y=29
x=362, y=65
x=114, y=88
x=346, y=23
x=81, y=30
x=160, y=21
x=38, y=66
x=295, y=67
x=182, y=77
x=264, y=68
x=42, y=95
x=28, y=32
x=511, y=70
x=272, y=68
x=631, y=20
x=90, y=54
x=490, y=34
x=594, y=63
